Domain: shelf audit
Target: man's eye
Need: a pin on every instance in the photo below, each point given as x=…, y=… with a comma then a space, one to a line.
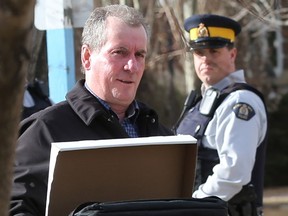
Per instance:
x=120, y=52
x=141, y=55
x=198, y=52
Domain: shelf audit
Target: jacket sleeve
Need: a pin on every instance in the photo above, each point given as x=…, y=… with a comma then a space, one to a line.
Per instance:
x=31, y=168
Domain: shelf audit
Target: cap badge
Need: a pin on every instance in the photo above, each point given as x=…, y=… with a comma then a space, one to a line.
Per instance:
x=202, y=31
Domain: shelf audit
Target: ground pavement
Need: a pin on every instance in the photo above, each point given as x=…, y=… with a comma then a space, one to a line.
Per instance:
x=276, y=201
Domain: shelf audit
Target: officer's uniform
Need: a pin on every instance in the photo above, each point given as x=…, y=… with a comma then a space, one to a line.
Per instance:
x=235, y=131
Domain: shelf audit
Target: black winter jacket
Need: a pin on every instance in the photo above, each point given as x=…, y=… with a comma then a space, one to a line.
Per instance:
x=79, y=117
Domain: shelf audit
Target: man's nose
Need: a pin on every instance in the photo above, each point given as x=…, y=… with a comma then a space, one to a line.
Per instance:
x=131, y=65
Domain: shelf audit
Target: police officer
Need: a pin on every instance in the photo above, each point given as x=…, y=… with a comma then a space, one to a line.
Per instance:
x=229, y=119
x=34, y=99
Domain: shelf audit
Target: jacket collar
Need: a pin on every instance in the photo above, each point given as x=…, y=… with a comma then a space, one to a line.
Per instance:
x=131, y=112
x=88, y=107
x=84, y=104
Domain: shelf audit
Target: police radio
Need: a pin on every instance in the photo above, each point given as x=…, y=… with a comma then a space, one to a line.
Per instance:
x=209, y=101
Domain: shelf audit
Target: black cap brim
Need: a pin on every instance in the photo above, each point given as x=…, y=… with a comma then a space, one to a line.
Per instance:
x=209, y=43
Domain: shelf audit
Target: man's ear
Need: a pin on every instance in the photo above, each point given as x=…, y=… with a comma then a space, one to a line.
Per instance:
x=233, y=54
x=85, y=57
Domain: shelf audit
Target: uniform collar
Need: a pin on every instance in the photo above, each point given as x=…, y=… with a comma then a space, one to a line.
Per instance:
x=235, y=77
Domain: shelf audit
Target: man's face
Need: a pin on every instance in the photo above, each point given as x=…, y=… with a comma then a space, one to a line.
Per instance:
x=212, y=65
x=114, y=72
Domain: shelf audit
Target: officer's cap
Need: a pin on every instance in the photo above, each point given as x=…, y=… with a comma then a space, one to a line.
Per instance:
x=211, y=31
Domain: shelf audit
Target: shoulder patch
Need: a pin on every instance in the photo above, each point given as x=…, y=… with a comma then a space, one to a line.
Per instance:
x=243, y=111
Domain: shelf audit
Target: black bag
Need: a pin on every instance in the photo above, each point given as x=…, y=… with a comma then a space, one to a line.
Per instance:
x=210, y=206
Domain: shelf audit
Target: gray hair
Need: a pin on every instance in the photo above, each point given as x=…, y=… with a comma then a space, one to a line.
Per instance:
x=94, y=29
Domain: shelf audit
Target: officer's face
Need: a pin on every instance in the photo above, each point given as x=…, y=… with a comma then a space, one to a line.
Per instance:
x=212, y=65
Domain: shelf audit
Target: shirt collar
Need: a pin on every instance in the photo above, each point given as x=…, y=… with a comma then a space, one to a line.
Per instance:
x=132, y=111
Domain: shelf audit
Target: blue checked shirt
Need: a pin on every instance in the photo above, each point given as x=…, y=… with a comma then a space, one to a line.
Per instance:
x=129, y=122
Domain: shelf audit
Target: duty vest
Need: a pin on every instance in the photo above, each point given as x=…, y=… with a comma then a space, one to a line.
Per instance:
x=194, y=123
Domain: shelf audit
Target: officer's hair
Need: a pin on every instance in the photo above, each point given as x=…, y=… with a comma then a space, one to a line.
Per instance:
x=94, y=31
x=230, y=46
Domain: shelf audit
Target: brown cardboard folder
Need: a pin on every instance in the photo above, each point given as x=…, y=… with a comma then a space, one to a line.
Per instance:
x=119, y=169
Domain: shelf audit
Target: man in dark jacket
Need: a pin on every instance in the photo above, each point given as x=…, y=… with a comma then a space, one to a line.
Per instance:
x=103, y=106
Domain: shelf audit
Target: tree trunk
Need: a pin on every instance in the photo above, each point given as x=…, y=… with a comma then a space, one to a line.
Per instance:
x=16, y=19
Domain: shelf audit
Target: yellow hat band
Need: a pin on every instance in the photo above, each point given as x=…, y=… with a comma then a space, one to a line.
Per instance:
x=211, y=32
